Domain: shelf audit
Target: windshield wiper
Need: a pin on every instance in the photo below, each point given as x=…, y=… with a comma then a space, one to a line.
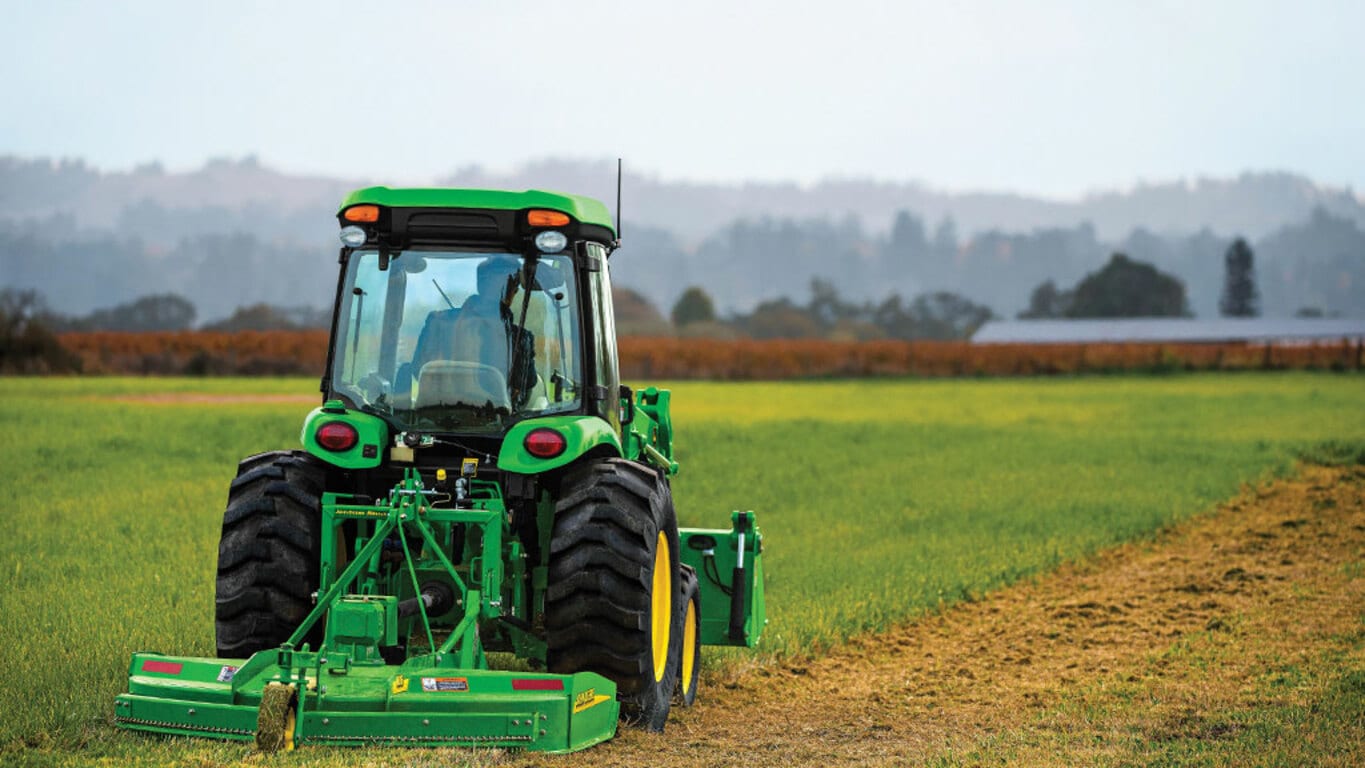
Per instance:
x=443, y=293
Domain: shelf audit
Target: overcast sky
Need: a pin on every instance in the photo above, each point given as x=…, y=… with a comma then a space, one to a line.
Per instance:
x=1054, y=98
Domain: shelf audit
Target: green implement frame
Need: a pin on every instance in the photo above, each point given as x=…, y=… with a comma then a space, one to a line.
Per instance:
x=344, y=692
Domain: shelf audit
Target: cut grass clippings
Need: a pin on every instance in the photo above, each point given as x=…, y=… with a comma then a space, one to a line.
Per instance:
x=1233, y=639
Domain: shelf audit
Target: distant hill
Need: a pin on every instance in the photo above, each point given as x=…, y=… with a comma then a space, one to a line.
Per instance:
x=161, y=208
x=235, y=233
x=1253, y=204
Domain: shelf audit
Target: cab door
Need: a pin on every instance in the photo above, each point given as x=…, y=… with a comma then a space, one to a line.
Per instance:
x=599, y=320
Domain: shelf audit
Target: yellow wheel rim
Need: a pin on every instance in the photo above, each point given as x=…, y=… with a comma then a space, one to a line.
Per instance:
x=661, y=607
x=290, y=718
x=689, y=651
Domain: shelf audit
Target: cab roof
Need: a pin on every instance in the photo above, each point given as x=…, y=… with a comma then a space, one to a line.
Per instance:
x=584, y=209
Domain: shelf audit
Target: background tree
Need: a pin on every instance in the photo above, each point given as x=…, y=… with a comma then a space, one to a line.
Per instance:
x=161, y=312
x=1240, y=297
x=946, y=316
x=827, y=307
x=1046, y=302
x=257, y=317
x=905, y=255
x=1127, y=288
x=780, y=319
x=694, y=306
x=635, y=315
x=27, y=345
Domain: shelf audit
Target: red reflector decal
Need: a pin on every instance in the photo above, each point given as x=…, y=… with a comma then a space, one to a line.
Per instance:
x=164, y=667
x=548, y=684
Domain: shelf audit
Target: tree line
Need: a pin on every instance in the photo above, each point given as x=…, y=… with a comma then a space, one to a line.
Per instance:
x=1129, y=288
x=1124, y=287
x=1315, y=266
x=29, y=327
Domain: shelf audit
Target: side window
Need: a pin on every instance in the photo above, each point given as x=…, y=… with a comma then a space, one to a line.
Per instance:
x=359, y=336
x=605, y=368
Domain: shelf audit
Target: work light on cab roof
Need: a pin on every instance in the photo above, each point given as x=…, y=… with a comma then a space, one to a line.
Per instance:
x=353, y=237
x=551, y=241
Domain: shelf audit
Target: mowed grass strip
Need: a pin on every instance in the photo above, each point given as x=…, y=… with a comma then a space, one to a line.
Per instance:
x=879, y=500
x=882, y=499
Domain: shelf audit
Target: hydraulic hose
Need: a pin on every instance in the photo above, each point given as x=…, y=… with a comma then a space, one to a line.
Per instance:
x=436, y=598
x=737, y=591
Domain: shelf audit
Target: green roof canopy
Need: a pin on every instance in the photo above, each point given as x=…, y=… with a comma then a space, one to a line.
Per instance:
x=584, y=209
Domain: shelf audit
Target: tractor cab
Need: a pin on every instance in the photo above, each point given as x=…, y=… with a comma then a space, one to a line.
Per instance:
x=468, y=311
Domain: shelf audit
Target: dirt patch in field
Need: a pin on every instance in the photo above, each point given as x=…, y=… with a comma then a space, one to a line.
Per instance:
x=1268, y=579
x=200, y=398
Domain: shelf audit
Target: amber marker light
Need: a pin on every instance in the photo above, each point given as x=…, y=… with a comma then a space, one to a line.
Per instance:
x=367, y=214
x=546, y=218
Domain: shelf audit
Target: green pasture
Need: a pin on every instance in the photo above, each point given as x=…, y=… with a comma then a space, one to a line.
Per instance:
x=878, y=500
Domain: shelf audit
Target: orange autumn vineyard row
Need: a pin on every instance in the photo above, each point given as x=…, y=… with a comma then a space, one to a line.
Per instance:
x=304, y=352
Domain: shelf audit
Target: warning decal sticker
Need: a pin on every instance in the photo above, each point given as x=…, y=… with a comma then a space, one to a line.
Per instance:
x=445, y=684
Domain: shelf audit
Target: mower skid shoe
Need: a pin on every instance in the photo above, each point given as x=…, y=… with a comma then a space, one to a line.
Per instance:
x=414, y=704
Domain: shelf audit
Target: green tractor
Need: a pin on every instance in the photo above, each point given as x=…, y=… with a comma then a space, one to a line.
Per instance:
x=477, y=545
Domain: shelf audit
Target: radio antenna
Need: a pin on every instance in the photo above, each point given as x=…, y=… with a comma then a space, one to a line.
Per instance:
x=618, y=202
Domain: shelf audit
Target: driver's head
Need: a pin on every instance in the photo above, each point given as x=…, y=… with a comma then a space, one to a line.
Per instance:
x=493, y=273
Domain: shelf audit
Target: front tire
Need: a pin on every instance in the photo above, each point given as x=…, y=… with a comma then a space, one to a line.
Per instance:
x=689, y=662
x=268, y=553
x=613, y=580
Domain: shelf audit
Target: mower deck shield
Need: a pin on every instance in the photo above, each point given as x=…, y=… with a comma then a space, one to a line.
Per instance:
x=416, y=703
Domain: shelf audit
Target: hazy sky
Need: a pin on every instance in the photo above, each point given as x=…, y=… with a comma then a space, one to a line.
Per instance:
x=1042, y=97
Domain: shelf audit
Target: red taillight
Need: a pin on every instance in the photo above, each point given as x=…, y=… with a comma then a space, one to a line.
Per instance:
x=337, y=436
x=545, y=443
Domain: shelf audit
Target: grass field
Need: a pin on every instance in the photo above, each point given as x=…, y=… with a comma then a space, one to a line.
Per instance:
x=879, y=500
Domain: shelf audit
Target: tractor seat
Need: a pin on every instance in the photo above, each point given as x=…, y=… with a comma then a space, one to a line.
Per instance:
x=459, y=382
x=473, y=370
x=436, y=338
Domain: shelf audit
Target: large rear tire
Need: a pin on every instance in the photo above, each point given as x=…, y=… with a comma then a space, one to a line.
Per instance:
x=613, y=582
x=268, y=553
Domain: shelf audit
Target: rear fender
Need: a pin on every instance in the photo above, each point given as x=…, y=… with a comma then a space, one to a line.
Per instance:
x=372, y=431
x=582, y=435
